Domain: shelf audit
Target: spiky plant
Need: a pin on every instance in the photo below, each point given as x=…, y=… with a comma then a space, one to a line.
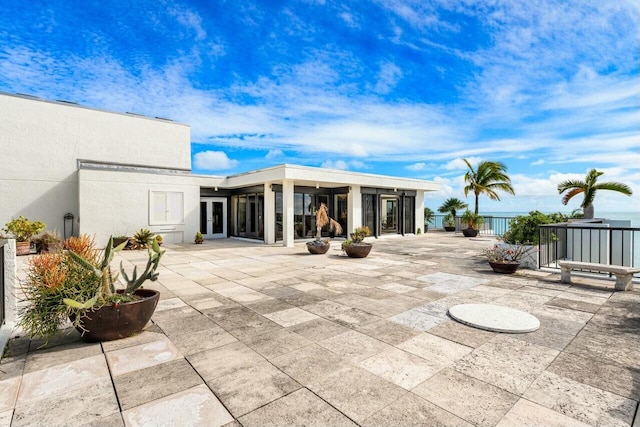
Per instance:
x=588, y=188
x=488, y=178
x=322, y=219
x=141, y=239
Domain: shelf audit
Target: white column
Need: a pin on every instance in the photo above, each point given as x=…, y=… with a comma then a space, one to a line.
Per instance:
x=419, y=212
x=269, y=218
x=354, y=205
x=287, y=213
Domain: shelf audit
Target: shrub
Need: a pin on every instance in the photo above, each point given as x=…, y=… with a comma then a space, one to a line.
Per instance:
x=524, y=228
x=23, y=229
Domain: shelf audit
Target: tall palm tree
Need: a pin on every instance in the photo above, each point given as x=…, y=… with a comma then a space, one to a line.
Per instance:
x=488, y=178
x=451, y=205
x=589, y=187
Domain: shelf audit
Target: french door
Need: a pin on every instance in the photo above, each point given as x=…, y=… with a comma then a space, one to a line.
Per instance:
x=213, y=217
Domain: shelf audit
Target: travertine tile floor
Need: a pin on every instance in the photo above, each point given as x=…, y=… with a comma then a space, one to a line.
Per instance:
x=255, y=335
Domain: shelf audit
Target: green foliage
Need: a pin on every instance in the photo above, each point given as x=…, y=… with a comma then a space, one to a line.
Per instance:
x=449, y=220
x=358, y=235
x=473, y=220
x=141, y=239
x=589, y=187
x=524, y=228
x=488, y=178
x=22, y=229
x=428, y=215
x=419, y=231
x=452, y=205
x=134, y=283
x=198, y=239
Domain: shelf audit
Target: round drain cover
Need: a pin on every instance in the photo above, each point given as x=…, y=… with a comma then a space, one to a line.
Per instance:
x=495, y=318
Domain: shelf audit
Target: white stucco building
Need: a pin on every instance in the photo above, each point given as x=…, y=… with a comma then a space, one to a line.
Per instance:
x=118, y=172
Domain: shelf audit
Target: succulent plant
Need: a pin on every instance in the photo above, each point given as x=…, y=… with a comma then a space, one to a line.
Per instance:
x=141, y=239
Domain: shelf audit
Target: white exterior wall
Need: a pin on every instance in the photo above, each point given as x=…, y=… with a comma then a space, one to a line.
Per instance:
x=419, y=212
x=269, y=219
x=354, y=206
x=40, y=143
x=113, y=203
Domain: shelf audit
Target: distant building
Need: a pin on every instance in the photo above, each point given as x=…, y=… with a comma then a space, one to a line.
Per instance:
x=116, y=173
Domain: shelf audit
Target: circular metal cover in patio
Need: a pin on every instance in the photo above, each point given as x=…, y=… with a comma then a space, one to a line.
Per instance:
x=495, y=318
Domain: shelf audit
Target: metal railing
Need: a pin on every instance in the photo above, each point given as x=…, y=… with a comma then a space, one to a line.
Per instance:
x=493, y=225
x=595, y=243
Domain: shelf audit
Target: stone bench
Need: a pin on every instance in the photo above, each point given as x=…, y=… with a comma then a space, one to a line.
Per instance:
x=624, y=275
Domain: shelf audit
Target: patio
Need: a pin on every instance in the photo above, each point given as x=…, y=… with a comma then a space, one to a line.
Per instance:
x=256, y=335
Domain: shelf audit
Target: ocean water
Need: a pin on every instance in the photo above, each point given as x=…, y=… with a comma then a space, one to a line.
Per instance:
x=634, y=217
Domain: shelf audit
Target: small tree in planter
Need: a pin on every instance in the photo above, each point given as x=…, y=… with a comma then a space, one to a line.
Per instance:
x=319, y=246
x=473, y=221
x=449, y=222
x=23, y=230
x=356, y=247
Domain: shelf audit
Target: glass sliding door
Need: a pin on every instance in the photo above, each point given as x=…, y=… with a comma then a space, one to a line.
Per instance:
x=389, y=215
x=369, y=212
x=248, y=214
x=341, y=212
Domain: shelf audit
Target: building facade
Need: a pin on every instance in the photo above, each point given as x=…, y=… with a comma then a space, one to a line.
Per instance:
x=82, y=170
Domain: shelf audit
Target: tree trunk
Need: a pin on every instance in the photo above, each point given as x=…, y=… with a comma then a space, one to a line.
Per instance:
x=588, y=212
x=477, y=196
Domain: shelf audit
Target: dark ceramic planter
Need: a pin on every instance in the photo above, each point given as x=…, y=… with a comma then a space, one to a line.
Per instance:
x=112, y=322
x=318, y=247
x=357, y=250
x=470, y=232
x=504, y=267
x=117, y=241
x=447, y=228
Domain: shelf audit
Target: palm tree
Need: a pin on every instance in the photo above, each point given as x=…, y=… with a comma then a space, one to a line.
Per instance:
x=589, y=188
x=451, y=205
x=488, y=178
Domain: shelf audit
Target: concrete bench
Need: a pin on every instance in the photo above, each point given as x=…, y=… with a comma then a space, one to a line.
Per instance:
x=624, y=275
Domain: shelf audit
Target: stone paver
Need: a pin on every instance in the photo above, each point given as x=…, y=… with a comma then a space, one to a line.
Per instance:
x=252, y=334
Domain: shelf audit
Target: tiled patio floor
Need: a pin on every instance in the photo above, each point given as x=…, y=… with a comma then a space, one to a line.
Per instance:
x=255, y=335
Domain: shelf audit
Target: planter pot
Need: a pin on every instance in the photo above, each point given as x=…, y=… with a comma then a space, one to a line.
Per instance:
x=49, y=247
x=357, y=250
x=449, y=228
x=111, y=323
x=504, y=267
x=470, y=232
x=23, y=248
x=318, y=247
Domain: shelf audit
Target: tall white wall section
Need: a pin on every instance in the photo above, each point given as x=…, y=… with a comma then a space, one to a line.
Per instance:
x=41, y=142
x=419, y=212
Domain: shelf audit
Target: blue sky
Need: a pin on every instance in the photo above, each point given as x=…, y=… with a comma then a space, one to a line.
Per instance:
x=405, y=88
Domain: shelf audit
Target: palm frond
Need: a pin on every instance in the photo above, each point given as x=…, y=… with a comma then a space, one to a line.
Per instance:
x=570, y=194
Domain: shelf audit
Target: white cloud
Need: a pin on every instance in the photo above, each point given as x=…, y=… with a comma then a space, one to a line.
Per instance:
x=417, y=167
x=459, y=164
x=274, y=153
x=388, y=77
x=213, y=160
x=537, y=162
x=338, y=164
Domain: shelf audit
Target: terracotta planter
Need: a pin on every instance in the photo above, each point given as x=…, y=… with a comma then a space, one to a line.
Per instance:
x=23, y=248
x=470, y=232
x=357, y=250
x=448, y=228
x=318, y=247
x=504, y=267
x=111, y=323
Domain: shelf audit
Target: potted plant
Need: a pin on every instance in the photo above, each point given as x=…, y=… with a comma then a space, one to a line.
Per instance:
x=505, y=259
x=319, y=246
x=159, y=239
x=141, y=239
x=48, y=242
x=473, y=221
x=355, y=247
x=428, y=218
x=79, y=285
x=198, y=239
x=451, y=206
x=449, y=222
x=23, y=230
